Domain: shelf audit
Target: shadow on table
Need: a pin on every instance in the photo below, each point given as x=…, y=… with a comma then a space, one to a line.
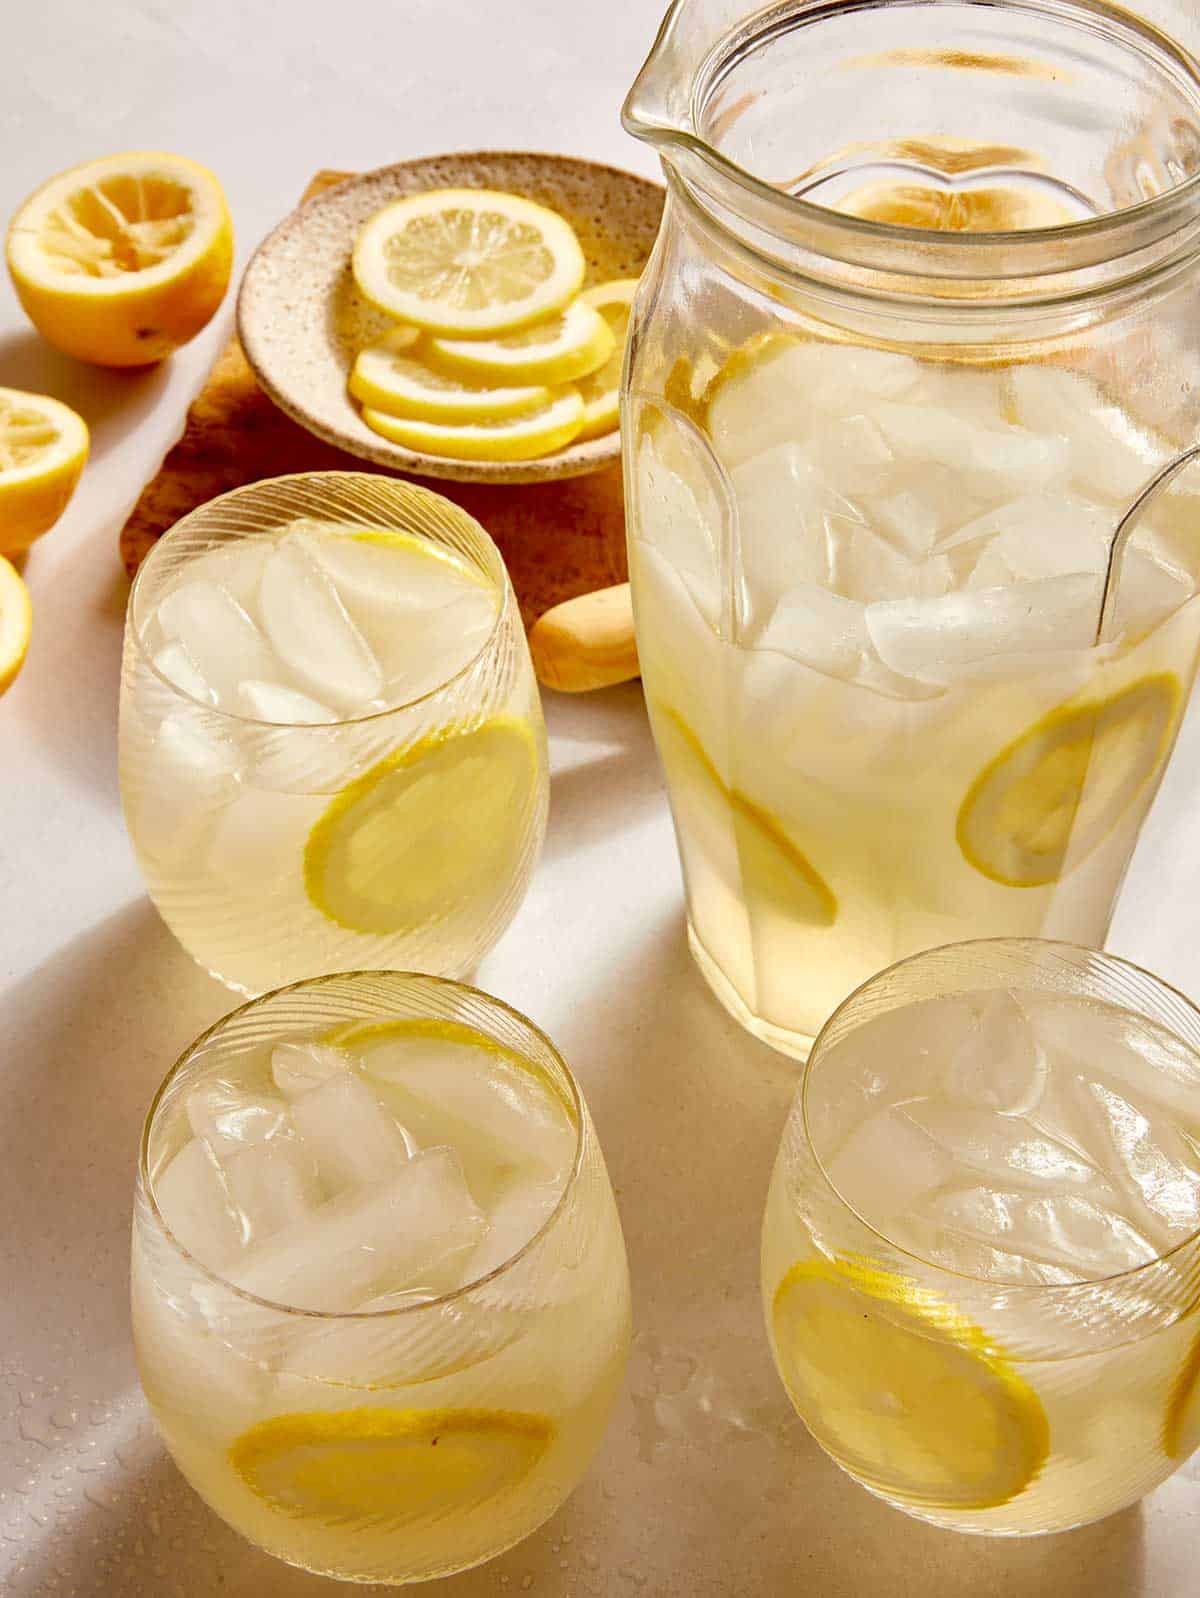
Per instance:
x=607, y=777
x=109, y=400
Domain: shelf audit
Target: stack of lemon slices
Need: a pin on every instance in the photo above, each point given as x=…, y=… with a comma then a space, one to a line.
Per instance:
x=496, y=354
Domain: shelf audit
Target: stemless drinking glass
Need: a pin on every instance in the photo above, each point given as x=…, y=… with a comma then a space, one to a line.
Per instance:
x=981, y=1249
x=921, y=328
x=420, y=1320
x=331, y=743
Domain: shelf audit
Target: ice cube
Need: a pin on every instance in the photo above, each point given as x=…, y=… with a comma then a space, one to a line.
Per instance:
x=979, y=395
x=1006, y=1148
x=223, y=643
x=380, y=575
x=852, y=454
x=495, y=1112
x=352, y=1137
x=1109, y=456
x=999, y=1064
x=1063, y=1230
x=192, y=774
x=301, y=1067
x=1040, y=535
x=786, y=510
x=261, y=838
x=175, y=664
x=907, y=518
x=932, y=639
x=236, y=565
x=519, y=1212
x=229, y=1119
x=817, y=627
x=679, y=515
x=408, y=1232
x=272, y=1185
x=271, y=701
x=1147, y=592
x=989, y=460
x=194, y=1201
x=311, y=632
x=1154, y=1158
x=794, y=386
x=885, y=1165
x=422, y=649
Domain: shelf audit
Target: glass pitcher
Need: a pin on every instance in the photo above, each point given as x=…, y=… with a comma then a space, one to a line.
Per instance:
x=909, y=414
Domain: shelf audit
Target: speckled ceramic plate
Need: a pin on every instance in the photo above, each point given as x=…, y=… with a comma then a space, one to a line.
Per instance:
x=301, y=319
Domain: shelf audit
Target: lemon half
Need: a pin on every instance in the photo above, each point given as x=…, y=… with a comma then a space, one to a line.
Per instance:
x=904, y=1391
x=467, y=261
x=399, y=1467
x=1062, y=786
x=16, y=622
x=43, y=450
x=121, y=260
x=434, y=827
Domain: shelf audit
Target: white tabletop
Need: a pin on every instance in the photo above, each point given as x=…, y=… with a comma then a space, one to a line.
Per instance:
x=707, y=1485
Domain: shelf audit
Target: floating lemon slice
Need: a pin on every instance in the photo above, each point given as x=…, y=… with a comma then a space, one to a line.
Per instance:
x=565, y=346
x=398, y=1467
x=904, y=1391
x=1181, y=1429
x=990, y=210
x=601, y=390
x=513, y=438
x=121, y=260
x=43, y=449
x=467, y=262
x=774, y=871
x=398, y=384
x=16, y=621
x=427, y=830
x=1063, y=785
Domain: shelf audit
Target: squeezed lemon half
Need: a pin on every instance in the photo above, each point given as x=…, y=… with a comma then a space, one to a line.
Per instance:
x=1063, y=785
x=903, y=1390
x=435, y=826
x=469, y=262
x=119, y=261
x=400, y=1467
x=774, y=870
x=43, y=450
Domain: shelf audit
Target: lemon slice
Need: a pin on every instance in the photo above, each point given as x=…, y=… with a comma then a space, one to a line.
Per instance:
x=401, y=385
x=16, y=621
x=398, y=1467
x=601, y=390
x=1065, y=783
x=565, y=346
x=1181, y=1429
x=903, y=1390
x=773, y=870
x=121, y=260
x=467, y=261
x=993, y=210
x=427, y=830
x=43, y=449
x=511, y=438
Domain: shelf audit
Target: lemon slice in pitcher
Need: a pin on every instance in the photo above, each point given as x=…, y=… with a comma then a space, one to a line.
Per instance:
x=1061, y=787
x=431, y=828
x=398, y=1467
x=773, y=869
x=903, y=1390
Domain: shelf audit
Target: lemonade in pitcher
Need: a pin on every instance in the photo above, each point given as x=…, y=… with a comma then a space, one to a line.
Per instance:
x=915, y=608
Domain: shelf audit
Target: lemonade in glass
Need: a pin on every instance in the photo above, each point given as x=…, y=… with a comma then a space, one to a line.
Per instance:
x=331, y=746
x=981, y=1248
x=380, y=1298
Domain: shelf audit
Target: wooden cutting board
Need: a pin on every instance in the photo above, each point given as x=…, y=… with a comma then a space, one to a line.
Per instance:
x=559, y=539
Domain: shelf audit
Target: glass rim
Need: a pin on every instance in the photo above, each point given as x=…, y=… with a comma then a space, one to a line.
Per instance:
x=641, y=120
x=991, y=1284
x=578, y=1107
x=134, y=632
